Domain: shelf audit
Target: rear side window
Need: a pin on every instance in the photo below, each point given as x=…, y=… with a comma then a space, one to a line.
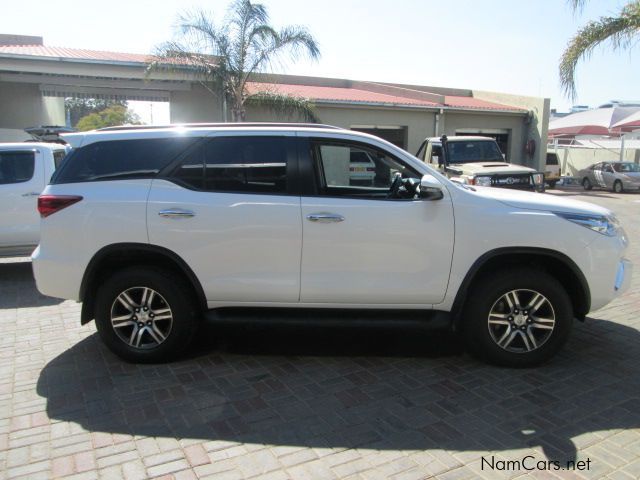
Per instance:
x=58, y=156
x=552, y=159
x=117, y=159
x=238, y=165
x=16, y=167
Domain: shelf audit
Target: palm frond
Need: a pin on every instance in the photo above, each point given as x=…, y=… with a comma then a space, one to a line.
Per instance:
x=577, y=5
x=619, y=31
x=284, y=106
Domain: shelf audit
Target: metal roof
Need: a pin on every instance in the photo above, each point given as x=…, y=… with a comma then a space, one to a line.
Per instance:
x=393, y=95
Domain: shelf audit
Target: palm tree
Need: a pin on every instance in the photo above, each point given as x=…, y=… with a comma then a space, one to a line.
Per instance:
x=619, y=31
x=224, y=57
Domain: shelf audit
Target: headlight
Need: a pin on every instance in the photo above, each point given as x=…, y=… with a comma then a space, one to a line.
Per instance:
x=483, y=181
x=538, y=178
x=606, y=225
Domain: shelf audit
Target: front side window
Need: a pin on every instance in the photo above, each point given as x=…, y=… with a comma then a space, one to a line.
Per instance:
x=237, y=165
x=118, y=159
x=16, y=167
x=351, y=169
x=436, y=154
x=626, y=167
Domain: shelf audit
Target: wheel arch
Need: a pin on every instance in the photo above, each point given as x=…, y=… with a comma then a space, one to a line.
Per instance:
x=556, y=263
x=109, y=258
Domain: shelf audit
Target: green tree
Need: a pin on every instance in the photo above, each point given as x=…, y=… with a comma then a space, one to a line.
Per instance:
x=109, y=117
x=620, y=31
x=225, y=56
x=81, y=107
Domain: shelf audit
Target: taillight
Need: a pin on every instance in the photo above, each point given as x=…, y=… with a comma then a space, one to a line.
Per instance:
x=472, y=181
x=50, y=204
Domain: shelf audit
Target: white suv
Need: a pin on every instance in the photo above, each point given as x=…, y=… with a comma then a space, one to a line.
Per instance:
x=154, y=228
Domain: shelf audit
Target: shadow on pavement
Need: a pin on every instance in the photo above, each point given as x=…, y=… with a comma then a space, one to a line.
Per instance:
x=18, y=287
x=353, y=387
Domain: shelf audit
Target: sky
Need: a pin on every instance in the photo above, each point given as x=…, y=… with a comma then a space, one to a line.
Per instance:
x=510, y=46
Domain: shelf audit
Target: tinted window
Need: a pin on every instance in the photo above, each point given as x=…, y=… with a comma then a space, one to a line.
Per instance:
x=118, y=159
x=552, y=159
x=16, y=167
x=237, y=164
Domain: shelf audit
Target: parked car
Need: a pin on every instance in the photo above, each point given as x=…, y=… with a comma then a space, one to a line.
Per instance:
x=615, y=176
x=25, y=169
x=153, y=228
x=477, y=160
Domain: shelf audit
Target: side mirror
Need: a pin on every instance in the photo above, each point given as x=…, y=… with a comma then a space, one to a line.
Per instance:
x=430, y=188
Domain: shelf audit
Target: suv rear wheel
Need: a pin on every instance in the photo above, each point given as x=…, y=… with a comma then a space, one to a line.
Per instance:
x=517, y=318
x=144, y=315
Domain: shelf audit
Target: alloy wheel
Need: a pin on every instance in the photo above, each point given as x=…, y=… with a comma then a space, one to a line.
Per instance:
x=141, y=317
x=521, y=321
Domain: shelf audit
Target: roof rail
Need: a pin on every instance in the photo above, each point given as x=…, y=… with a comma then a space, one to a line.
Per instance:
x=206, y=125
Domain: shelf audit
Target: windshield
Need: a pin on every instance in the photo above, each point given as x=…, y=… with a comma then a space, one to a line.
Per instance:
x=473, y=151
x=626, y=167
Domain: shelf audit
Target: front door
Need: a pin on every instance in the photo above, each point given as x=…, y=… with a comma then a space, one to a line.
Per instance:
x=362, y=246
x=226, y=209
x=21, y=181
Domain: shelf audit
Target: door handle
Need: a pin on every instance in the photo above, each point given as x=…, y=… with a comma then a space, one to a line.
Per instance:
x=325, y=217
x=31, y=194
x=176, y=213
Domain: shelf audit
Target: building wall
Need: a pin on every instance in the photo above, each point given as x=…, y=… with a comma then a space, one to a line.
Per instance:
x=23, y=106
x=452, y=121
x=573, y=159
x=538, y=124
x=194, y=106
x=419, y=123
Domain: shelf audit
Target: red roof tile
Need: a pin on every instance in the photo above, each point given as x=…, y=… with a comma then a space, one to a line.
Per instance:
x=476, y=103
x=336, y=94
x=74, y=53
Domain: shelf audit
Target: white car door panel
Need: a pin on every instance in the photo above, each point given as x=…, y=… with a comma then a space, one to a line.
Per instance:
x=241, y=247
x=21, y=181
x=382, y=252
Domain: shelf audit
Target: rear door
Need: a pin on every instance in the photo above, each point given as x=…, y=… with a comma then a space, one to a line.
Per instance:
x=21, y=181
x=228, y=208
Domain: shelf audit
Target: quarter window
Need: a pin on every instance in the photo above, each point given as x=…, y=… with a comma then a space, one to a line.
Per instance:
x=16, y=167
x=117, y=159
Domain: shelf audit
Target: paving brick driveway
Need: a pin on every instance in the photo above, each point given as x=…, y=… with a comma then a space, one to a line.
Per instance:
x=279, y=402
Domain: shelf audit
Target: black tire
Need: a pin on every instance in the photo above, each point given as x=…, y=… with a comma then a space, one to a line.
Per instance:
x=169, y=293
x=481, y=336
x=552, y=185
x=586, y=183
x=617, y=186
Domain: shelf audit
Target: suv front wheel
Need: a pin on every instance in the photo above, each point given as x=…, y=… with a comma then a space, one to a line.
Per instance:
x=517, y=318
x=144, y=314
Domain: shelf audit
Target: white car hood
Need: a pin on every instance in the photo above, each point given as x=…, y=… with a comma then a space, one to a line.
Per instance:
x=489, y=168
x=540, y=201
